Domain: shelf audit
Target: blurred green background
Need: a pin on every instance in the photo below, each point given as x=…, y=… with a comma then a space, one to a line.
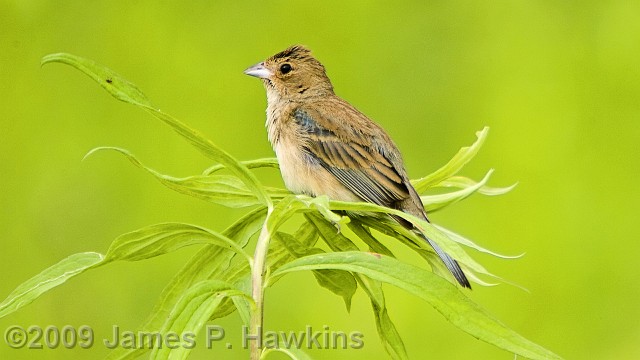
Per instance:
x=557, y=82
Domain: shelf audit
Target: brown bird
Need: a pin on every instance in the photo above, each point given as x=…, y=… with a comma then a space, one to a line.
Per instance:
x=325, y=146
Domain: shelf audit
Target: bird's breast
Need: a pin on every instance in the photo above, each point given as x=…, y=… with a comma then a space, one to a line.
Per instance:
x=303, y=174
x=301, y=171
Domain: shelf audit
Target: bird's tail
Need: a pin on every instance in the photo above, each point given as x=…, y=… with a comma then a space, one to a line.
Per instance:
x=450, y=263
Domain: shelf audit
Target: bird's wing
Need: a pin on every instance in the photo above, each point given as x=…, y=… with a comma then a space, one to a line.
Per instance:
x=347, y=148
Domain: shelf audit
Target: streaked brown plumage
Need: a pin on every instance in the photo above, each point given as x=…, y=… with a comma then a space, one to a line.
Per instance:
x=325, y=146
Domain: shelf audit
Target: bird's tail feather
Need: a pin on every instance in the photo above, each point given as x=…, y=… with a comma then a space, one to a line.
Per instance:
x=450, y=263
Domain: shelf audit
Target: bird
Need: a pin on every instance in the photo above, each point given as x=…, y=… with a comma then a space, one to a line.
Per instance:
x=325, y=146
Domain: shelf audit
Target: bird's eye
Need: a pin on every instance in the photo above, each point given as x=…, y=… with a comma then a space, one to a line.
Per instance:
x=285, y=68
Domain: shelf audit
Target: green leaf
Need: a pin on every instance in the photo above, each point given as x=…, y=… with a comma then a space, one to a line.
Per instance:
x=250, y=164
x=51, y=277
x=338, y=282
x=365, y=235
x=243, y=306
x=191, y=312
x=439, y=201
x=332, y=236
x=292, y=352
x=463, y=182
x=439, y=293
x=160, y=239
x=454, y=165
x=292, y=204
x=125, y=91
x=225, y=190
x=211, y=262
x=467, y=242
x=113, y=83
x=322, y=204
x=238, y=273
x=279, y=255
x=448, y=245
x=386, y=329
x=454, y=249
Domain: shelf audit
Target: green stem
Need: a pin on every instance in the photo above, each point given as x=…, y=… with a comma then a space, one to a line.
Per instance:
x=257, y=288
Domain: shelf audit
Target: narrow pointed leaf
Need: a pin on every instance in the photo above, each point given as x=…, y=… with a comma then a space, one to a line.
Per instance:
x=113, y=83
x=250, y=164
x=293, y=353
x=225, y=190
x=48, y=279
x=439, y=293
x=463, y=182
x=211, y=262
x=125, y=91
x=448, y=245
x=459, y=160
x=439, y=201
x=365, y=235
x=160, y=239
x=387, y=331
x=332, y=236
x=465, y=241
x=191, y=312
x=338, y=282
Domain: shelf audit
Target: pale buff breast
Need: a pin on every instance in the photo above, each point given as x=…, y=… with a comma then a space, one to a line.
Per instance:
x=303, y=175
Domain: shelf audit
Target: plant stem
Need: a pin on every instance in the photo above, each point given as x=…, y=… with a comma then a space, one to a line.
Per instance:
x=257, y=288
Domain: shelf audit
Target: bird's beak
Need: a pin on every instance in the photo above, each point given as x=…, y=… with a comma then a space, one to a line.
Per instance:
x=259, y=71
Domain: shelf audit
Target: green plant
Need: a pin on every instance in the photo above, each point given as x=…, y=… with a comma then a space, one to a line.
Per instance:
x=223, y=278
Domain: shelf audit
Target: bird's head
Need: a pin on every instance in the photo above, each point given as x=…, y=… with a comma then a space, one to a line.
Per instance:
x=292, y=74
